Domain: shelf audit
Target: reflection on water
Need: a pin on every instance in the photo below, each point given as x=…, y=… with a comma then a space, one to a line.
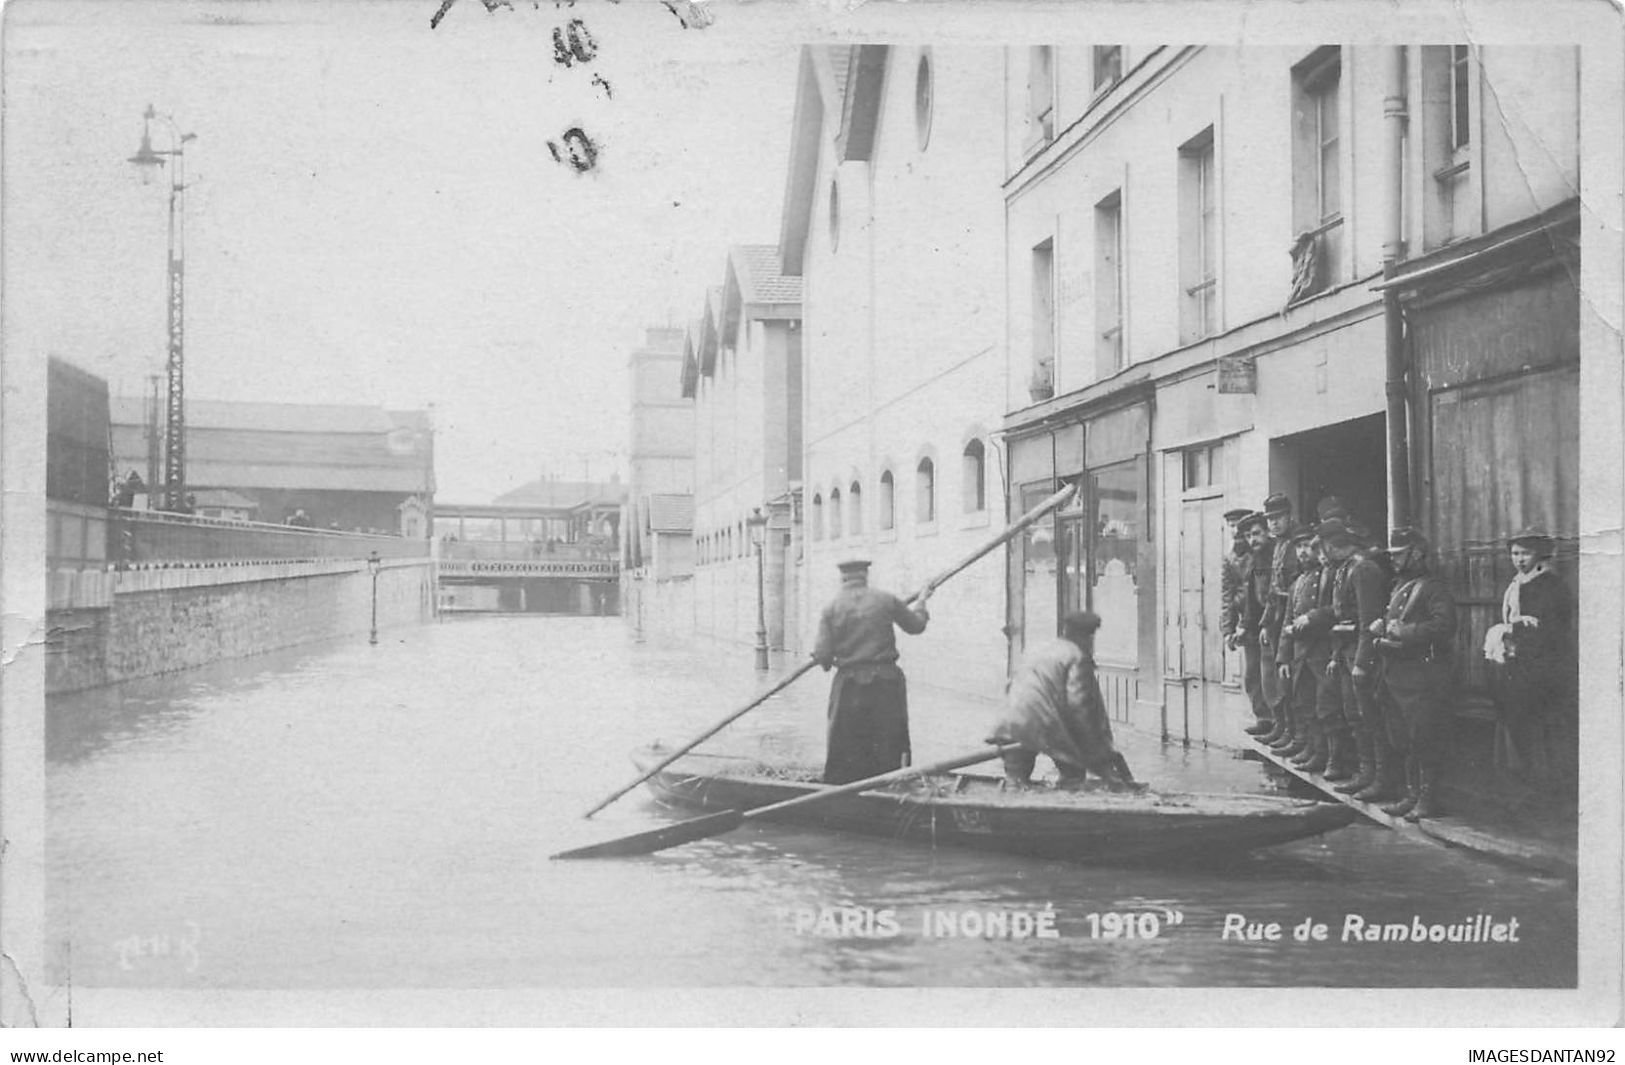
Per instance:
x=354, y=816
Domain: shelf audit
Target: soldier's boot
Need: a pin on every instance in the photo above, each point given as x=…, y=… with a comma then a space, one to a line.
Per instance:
x=1286, y=728
x=1427, y=796
x=1263, y=726
x=1365, y=746
x=1303, y=735
x=1386, y=787
x=1316, y=758
x=1402, y=805
x=1341, y=762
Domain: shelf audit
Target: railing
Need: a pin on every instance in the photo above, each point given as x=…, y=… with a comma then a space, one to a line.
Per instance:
x=526, y=551
x=147, y=537
x=545, y=566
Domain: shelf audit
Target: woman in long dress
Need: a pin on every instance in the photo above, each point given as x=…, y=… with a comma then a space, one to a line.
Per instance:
x=1534, y=652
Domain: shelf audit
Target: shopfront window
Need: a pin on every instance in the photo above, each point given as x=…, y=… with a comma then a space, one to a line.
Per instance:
x=1040, y=568
x=1118, y=509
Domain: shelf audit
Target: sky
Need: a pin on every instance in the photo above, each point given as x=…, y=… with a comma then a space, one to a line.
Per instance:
x=373, y=215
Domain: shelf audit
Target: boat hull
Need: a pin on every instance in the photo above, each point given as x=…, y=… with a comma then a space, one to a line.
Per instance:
x=965, y=810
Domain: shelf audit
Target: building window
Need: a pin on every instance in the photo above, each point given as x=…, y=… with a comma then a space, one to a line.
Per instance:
x=1451, y=212
x=1043, y=373
x=925, y=492
x=888, y=501
x=1108, y=63
x=1198, y=239
x=835, y=525
x=1109, y=347
x=922, y=101
x=1461, y=126
x=1203, y=466
x=854, y=503
x=1317, y=191
x=1040, y=96
x=974, y=467
x=834, y=214
x=816, y=516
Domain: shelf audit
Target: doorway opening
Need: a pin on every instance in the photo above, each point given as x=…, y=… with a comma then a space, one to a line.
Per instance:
x=1348, y=460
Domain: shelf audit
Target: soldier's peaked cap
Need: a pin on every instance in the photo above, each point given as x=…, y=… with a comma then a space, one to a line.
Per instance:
x=1253, y=518
x=1335, y=530
x=853, y=565
x=1277, y=503
x=1303, y=533
x=1235, y=514
x=1406, y=537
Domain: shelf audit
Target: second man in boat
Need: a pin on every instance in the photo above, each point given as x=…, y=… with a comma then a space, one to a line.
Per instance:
x=1054, y=708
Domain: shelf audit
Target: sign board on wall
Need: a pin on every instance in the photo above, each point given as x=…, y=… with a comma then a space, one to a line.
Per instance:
x=1238, y=375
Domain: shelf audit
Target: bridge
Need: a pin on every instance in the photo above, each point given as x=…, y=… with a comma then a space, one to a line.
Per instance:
x=528, y=558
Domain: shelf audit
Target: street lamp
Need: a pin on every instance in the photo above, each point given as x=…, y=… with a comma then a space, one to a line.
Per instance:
x=757, y=524
x=374, y=563
x=149, y=159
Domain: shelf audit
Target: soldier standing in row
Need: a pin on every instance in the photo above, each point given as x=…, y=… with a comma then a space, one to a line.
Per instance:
x=1282, y=571
x=1359, y=591
x=1305, y=650
x=1254, y=597
x=1232, y=581
x=1414, y=682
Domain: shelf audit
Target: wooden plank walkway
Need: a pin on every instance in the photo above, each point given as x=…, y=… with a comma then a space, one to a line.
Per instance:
x=1530, y=853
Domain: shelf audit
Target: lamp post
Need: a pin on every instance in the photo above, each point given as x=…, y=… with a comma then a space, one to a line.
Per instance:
x=149, y=160
x=374, y=563
x=757, y=524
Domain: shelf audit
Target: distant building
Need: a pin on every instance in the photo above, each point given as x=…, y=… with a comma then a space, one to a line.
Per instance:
x=658, y=525
x=582, y=512
x=223, y=503
x=78, y=483
x=744, y=374
x=346, y=467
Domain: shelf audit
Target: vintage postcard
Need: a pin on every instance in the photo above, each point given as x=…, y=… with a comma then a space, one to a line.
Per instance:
x=662, y=512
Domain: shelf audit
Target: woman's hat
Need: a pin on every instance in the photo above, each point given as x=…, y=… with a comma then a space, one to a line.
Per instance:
x=1534, y=537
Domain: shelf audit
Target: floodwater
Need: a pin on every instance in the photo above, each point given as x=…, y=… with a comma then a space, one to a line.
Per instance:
x=346, y=816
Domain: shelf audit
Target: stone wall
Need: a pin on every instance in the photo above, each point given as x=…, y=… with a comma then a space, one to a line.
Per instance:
x=162, y=621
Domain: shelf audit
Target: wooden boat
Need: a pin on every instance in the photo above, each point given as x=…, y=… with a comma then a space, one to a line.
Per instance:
x=975, y=811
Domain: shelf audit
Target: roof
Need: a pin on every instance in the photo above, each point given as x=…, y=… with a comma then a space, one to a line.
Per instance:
x=761, y=280
x=276, y=417
x=289, y=446
x=558, y=493
x=670, y=513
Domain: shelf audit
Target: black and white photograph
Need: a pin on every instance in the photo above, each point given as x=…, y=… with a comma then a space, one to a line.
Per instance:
x=611, y=513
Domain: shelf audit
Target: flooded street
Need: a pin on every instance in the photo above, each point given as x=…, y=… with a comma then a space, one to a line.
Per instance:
x=346, y=816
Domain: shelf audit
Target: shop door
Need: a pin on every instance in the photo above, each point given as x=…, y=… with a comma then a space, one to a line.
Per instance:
x=1505, y=455
x=1201, y=645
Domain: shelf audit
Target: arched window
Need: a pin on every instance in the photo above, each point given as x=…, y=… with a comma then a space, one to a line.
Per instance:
x=974, y=489
x=925, y=492
x=834, y=215
x=854, y=503
x=835, y=514
x=816, y=517
x=888, y=502
x=922, y=102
